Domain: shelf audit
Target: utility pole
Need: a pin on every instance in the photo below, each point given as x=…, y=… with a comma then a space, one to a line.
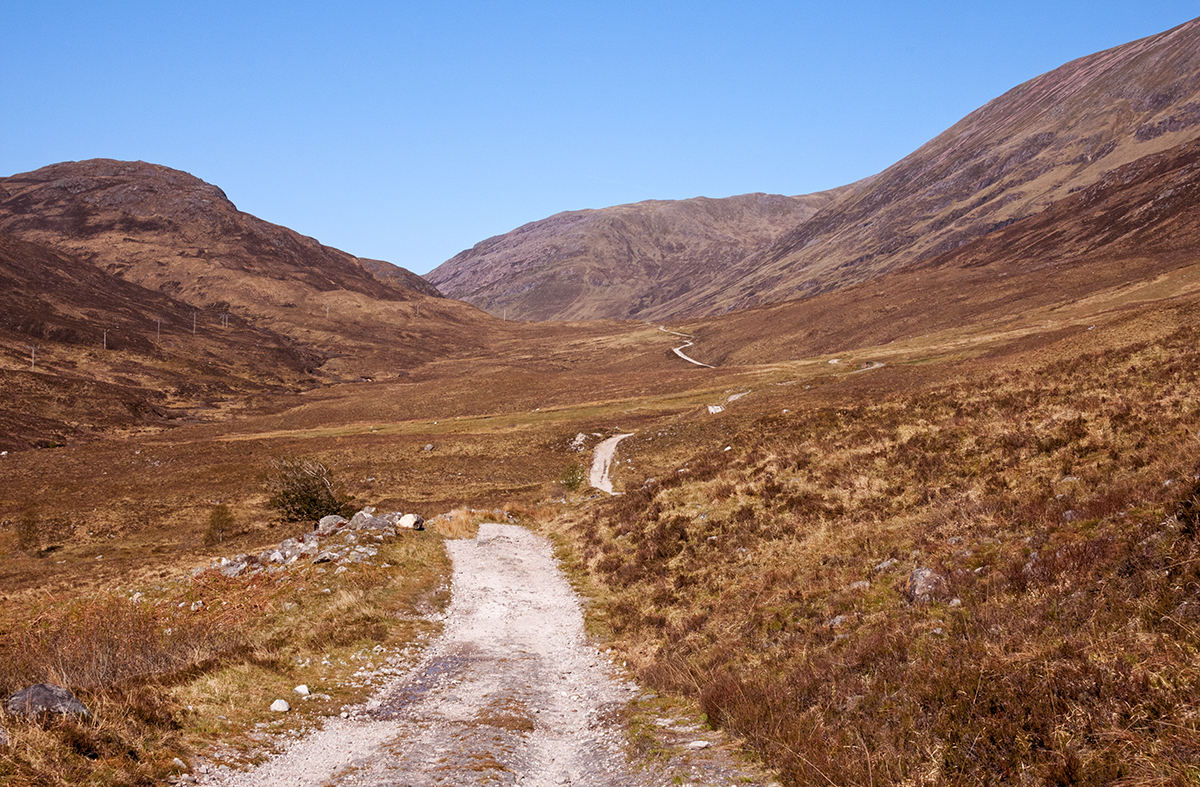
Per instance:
x=158, y=338
x=193, y=323
x=106, y=338
x=32, y=357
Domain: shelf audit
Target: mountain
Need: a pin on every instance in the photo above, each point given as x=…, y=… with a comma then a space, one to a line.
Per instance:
x=1126, y=240
x=1010, y=160
x=171, y=233
x=625, y=262
x=83, y=350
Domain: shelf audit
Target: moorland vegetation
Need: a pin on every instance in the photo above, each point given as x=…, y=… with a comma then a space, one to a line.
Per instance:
x=998, y=385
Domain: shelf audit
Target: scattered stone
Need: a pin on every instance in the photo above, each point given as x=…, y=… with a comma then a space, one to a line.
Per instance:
x=699, y=745
x=302, y=690
x=840, y=621
x=862, y=584
x=330, y=523
x=412, y=522
x=280, y=706
x=45, y=698
x=924, y=586
x=428, y=447
x=885, y=565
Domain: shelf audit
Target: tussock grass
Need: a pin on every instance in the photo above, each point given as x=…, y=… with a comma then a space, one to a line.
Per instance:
x=183, y=665
x=464, y=522
x=1058, y=501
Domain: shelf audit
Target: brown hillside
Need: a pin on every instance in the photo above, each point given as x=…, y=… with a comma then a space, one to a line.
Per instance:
x=172, y=233
x=1127, y=239
x=1038, y=143
x=84, y=352
x=1011, y=159
x=625, y=262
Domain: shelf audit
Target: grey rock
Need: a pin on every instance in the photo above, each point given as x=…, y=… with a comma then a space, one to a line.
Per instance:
x=925, y=586
x=233, y=569
x=412, y=522
x=328, y=556
x=330, y=523
x=280, y=706
x=45, y=698
x=359, y=519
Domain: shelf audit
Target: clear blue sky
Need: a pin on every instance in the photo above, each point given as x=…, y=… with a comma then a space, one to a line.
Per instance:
x=409, y=131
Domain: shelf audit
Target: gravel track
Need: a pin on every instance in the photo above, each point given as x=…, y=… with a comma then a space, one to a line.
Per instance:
x=511, y=693
x=600, y=475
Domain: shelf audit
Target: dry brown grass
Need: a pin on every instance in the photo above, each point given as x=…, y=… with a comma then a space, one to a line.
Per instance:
x=1058, y=499
x=171, y=670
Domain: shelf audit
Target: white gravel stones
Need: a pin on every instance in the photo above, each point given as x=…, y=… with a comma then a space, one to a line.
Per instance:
x=280, y=706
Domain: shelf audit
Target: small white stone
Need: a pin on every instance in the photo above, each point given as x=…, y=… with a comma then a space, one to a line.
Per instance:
x=302, y=690
x=280, y=706
x=699, y=745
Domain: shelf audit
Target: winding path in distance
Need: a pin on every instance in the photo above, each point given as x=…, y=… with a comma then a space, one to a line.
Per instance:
x=679, y=350
x=600, y=476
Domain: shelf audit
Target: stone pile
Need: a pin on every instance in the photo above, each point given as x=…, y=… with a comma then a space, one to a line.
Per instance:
x=334, y=540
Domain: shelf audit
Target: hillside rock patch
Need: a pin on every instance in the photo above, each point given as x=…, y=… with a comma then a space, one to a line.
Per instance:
x=334, y=540
x=43, y=698
x=924, y=586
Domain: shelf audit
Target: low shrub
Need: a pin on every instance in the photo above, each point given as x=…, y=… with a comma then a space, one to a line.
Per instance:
x=303, y=490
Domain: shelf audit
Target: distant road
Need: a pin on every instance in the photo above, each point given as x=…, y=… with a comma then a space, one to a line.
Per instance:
x=679, y=350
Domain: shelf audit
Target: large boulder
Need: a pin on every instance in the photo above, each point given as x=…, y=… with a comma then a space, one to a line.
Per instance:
x=412, y=522
x=45, y=698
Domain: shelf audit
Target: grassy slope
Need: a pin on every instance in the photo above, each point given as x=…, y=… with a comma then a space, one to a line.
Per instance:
x=1052, y=484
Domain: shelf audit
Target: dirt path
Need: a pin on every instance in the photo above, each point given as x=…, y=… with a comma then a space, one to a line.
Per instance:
x=512, y=693
x=600, y=475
